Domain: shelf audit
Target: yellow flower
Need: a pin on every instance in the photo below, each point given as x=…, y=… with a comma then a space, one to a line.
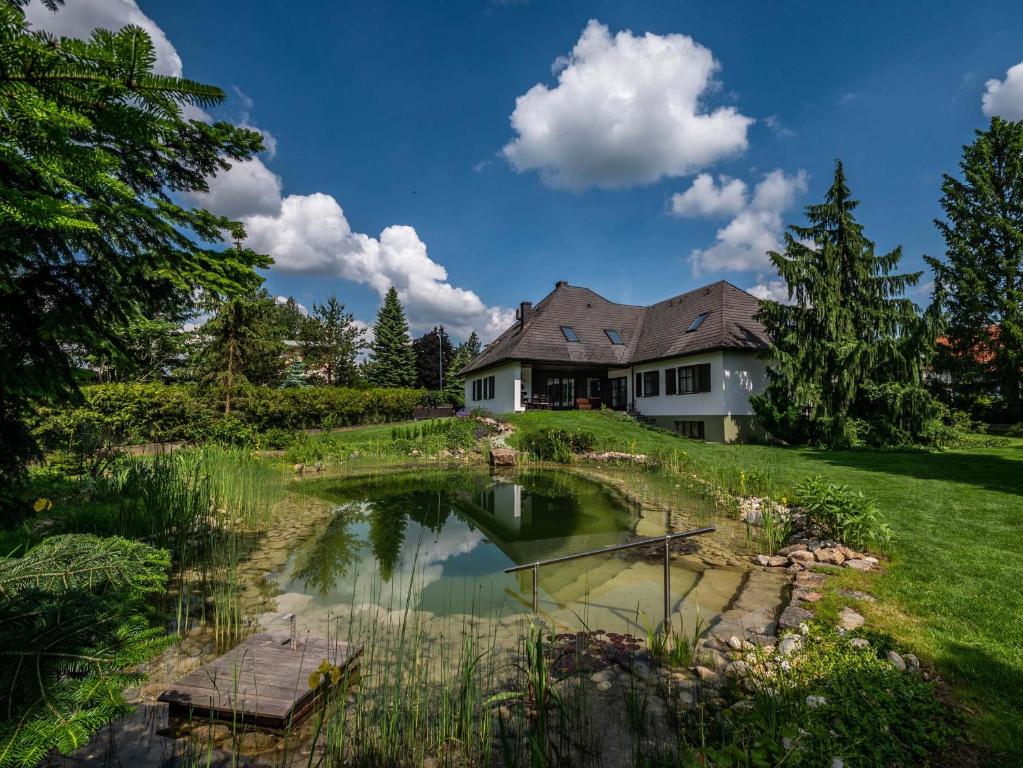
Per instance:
x=314, y=680
x=42, y=504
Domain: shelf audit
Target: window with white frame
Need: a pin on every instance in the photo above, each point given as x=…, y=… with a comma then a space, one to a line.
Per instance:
x=483, y=389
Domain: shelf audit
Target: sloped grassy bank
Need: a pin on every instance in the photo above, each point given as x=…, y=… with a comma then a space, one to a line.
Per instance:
x=951, y=512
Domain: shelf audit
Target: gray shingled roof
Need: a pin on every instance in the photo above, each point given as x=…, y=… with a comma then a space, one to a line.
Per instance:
x=649, y=333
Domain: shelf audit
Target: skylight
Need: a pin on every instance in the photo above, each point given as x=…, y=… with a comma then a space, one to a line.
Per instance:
x=697, y=322
x=569, y=333
x=615, y=336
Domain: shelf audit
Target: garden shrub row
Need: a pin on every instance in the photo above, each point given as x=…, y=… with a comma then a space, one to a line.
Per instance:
x=156, y=413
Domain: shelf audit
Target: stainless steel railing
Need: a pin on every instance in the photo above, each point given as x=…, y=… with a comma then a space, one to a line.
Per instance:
x=667, y=539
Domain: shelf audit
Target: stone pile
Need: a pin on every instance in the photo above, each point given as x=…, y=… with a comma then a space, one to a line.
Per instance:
x=616, y=456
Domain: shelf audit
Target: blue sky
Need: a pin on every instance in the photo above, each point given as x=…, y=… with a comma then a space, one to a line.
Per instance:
x=401, y=116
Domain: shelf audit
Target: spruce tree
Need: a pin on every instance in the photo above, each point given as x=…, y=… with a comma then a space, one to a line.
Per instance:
x=473, y=345
x=454, y=383
x=846, y=357
x=242, y=343
x=392, y=362
x=978, y=288
x=332, y=342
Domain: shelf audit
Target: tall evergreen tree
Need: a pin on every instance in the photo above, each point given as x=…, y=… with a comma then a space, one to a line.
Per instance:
x=978, y=288
x=96, y=153
x=454, y=384
x=434, y=353
x=472, y=345
x=242, y=343
x=846, y=357
x=332, y=341
x=291, y=317
x=392, y=362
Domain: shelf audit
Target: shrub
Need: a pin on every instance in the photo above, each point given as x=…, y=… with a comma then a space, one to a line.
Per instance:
x=558, y=445
x=459, y=434
x=144, y=413
x=278, y=439
x=843, y=513
x=228, y=430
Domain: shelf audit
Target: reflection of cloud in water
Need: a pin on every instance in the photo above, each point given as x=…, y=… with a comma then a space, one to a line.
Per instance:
x=423, y=559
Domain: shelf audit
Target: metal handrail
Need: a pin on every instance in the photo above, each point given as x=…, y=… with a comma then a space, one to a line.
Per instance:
x=667, y=538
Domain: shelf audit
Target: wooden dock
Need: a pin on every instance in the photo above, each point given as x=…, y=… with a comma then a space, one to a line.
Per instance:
x=262, y=682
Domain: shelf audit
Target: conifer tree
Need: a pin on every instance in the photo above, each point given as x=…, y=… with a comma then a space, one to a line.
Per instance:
x=454, y=383
x=472, y=345
x=96, y=152
x=242, y=343
x=332, y=342
x=846, y=357
x=392, y=362
x=978, y=288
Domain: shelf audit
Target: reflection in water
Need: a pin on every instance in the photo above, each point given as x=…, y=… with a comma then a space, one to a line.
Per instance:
x=321, y=565
x=439, y=541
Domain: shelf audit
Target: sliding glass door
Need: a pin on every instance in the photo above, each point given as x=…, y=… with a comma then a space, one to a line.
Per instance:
x=561, y=391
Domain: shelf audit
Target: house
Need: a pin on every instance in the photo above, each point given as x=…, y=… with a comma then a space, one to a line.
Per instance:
x=689, y=363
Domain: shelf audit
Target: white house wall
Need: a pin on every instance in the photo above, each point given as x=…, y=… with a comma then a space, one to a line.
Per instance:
x=745, y=374
x=711, y=403
x=507, y=389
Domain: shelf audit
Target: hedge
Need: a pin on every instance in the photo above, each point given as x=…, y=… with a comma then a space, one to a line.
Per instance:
x=157, y=413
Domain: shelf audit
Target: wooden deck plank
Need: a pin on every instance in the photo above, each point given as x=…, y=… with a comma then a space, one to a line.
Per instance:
x=263, y=681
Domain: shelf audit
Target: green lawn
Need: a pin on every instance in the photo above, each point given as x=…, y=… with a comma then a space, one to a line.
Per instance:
x=954, y=589
x=368, y=434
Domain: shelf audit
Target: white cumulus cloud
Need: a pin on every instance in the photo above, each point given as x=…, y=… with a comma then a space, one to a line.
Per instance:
x=626, y=110
x=247, y=187
x=310, y=233
x=742, y=244
x=705, y=198
x=773, y=289
x=1004, y=98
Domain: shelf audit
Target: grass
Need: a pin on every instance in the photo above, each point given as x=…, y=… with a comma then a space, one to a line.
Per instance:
x=357, y=435
x=954, y=589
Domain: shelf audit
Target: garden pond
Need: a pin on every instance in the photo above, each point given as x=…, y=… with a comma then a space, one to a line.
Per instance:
x=438, y=542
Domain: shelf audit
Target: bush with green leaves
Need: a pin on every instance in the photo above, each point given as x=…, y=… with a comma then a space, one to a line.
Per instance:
x=844, y=514
x=74, y=628
x=156, y=413
x=832, y=701
x=549, y=444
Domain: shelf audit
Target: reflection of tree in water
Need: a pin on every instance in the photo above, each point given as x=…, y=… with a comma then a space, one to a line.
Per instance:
x=429, y=508
x=327, y=561
x=387, y=521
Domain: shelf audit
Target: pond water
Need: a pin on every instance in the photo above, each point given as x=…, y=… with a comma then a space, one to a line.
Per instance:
x=439, y=542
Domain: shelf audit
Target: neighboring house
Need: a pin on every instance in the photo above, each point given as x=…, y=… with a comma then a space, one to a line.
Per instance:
x=689, y=363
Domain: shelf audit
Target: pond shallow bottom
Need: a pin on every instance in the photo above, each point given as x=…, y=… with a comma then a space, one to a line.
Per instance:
x=437, y=543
